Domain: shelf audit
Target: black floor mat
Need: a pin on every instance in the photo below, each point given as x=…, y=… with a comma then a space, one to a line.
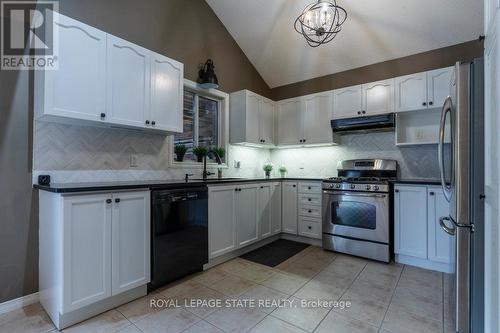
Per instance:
x=275, y=253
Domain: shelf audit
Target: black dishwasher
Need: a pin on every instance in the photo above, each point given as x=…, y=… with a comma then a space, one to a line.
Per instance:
x=179, y=233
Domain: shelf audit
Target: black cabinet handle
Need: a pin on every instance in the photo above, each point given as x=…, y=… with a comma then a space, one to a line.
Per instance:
x=424, y=104
x=309, y=187
x=430, y=103
x=397, y=191
x=309, y=227
x=431, y=193
x=263, y=140
x=153, y=123
x=294, y=185
x=147, y=122
x=117, y=200
x=304, y=140
x=308, y=199
x=103, y=115
x=108, y=201
x=482, y=196
x=359, y=112
x=309, y=211
x=262, y=187
x=363, y=112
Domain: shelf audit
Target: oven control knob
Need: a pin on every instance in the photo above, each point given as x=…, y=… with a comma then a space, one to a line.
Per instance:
x=330, y=186
x=368, y=187
x=338, y=185
x=353, y=186
x=376, y=188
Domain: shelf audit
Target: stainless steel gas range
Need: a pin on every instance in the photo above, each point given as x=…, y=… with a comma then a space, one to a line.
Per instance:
x=356, y=208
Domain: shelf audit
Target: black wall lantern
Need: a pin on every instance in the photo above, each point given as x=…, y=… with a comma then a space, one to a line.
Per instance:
x=206, y=76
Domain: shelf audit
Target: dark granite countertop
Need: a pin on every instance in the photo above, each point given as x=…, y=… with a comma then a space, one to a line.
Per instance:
x=418, y=181
x=153, y=184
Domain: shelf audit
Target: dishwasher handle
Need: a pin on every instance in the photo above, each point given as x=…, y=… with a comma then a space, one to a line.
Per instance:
x=179, y=195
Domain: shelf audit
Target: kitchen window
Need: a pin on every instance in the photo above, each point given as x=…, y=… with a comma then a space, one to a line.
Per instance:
x=204, y=119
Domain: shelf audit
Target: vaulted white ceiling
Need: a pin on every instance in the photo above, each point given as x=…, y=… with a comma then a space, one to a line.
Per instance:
x=375, y=31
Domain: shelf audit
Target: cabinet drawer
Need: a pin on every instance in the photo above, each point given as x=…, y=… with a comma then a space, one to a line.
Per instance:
x=310, y=188
x=310, y=211
x=310, y=199
x=309, y=228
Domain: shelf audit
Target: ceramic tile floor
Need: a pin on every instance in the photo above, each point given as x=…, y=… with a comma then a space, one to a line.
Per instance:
x=383, y=298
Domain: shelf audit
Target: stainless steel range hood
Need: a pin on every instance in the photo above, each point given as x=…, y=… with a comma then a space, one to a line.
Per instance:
x=383, y=122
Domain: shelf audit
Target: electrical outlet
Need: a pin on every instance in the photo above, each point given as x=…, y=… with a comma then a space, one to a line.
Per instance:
x=237, y=164
x=133, y=160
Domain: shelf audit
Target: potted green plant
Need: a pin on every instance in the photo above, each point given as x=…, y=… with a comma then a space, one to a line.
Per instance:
x=283, y=171
x=180, y=151
x=268, y=167
x=200, y=152
x=221, y=152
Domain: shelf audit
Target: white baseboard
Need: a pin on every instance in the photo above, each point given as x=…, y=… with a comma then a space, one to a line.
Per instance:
x=424, y=263
x=19, y=303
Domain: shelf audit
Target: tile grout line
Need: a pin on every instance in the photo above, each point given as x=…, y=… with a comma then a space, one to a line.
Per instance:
x=338, y=299
x=392, y=296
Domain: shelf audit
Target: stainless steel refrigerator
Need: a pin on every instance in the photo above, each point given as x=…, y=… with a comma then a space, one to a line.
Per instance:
x=462, y=178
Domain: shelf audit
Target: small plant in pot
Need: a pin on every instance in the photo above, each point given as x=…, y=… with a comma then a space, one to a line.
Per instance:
x=268, y=167
x=283, y=171
x=219, y=151
x=200, y=152
x=180, y=151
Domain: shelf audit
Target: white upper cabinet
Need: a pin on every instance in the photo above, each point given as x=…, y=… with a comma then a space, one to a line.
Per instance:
x=290, y=122
x=252, y=119
x=167, y=76
x=317, y=117
x=266, y=117
x=103, y=79
x=128, y=82
x=347, y=102
x=377, y=97
x=438, y=86
x=77, y=89
x=411, y=92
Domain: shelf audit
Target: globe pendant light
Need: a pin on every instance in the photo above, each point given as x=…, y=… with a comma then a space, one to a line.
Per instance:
x=206, y=76
x=320, y=22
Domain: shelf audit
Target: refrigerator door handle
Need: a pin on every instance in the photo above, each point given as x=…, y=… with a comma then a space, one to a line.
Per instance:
x=445, y=110
x=449, y=230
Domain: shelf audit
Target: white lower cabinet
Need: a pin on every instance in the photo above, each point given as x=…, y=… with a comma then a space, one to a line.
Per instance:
x=276, y=208
x=246, y=214
x=94, y=252
x=221, y=220
x=418, y=238
x=309, y=209
x=289, y=207
x=265, y=213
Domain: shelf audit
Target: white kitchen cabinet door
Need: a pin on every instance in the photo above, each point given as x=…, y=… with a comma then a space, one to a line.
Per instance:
x=438, y=86
x=221, y=220
x=128, y=82
x=347, y=102
x=77, y=89
x=266, y=119
x=167, y=94
x=86, y=255
x=246, y=208
x=276, y=208
x=411, y=92
x=131, y=241
x=289, y=208
x=253, y=102
x=317, y=118
x=265, y=209
x=378, y=97
x=440, y=243
x=290, y=122
x=410, y=221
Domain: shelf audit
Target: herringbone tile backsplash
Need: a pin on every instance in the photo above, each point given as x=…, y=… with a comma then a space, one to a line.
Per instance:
x=83, y=153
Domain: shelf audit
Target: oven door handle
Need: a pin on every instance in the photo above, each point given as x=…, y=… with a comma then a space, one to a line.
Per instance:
x=370, y=195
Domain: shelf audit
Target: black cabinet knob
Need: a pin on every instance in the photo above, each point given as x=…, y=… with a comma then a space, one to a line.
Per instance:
x=117, y=200
x=397, y=191
x=153, y=123
x=263, y=140
x=147, y=122
x=431, y=193
x=363, y=112
x=262, y=187
x=359, y=112
x=308, y=199
x=304, y=140
x=424, y=104
x=294, y=185
x=108, y=201
x=309, y=227
x=430, y=103
x=103, y=115
x=309, y=211
x=309, y=187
